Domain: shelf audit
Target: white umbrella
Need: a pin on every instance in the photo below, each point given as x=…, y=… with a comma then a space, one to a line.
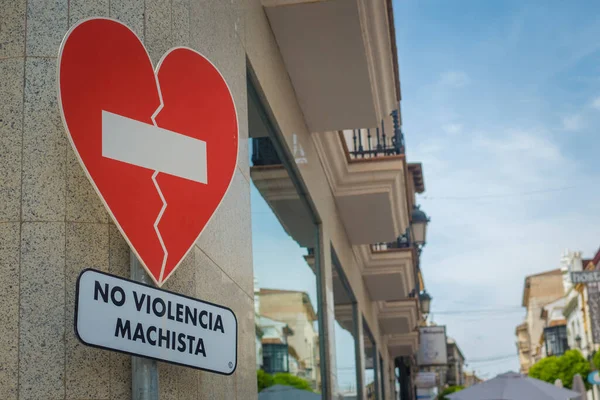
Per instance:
x=512, y=386
x=579, y=387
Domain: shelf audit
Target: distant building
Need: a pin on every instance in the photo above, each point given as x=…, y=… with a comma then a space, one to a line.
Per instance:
x=294, y=309
x=470, y=379
x=539, y=290
x=523, y=347
x=582, y=307
x=579, y=317
x=456, y=363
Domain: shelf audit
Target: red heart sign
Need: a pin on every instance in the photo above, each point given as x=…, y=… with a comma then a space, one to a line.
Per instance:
x=160, y=147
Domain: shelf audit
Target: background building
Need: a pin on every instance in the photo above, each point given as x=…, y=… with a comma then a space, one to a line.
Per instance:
x=539, y=290
x=523, y=347
x=456, y=363
x=470, y=379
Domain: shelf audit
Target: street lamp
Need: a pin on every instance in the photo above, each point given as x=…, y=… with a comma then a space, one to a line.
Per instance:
x=425, y=300
x=419, y=221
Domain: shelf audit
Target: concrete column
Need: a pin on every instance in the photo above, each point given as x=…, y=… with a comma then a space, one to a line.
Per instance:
x=327, y=316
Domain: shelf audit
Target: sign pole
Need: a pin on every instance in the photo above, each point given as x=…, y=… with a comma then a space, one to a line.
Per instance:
x=144, y=371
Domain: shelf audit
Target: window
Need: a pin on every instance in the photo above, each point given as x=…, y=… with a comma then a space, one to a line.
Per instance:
x=556, y=340
x=284, y=248
x=275, y=358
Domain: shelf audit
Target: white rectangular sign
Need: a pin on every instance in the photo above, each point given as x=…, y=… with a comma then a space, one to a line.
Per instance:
x=118, y=314
x=426, y=380
x=432, y=347
x=585, y=276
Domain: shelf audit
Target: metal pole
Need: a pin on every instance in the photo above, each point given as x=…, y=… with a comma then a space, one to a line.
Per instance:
x=144, y=371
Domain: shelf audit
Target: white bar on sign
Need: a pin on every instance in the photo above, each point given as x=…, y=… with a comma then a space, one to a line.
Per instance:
x=134, y=142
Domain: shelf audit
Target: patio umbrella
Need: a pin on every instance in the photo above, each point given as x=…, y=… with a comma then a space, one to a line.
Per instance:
x=280, y=392
x=579, y=387
x=512, y=386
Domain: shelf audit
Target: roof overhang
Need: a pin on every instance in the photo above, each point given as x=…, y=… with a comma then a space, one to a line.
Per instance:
x=341, y=59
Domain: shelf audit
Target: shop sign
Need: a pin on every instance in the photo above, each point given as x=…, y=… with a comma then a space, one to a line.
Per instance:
x=585, y=276
x=426, y=379
x=593, y=301
x=426, y=394
x=159, y=145
x=432, y=347
x=121, y=315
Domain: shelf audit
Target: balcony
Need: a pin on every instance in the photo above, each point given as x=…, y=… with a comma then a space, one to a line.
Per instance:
x=344, y=315
x=319, y=38
x=398, y=317
x=389, y=269
x=403, y=345
x=367, y=172
x=275, y=185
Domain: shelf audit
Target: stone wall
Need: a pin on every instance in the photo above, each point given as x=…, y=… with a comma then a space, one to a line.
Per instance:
x=52, y=225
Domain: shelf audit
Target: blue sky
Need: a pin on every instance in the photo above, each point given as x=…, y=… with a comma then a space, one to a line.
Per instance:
x=501, y=103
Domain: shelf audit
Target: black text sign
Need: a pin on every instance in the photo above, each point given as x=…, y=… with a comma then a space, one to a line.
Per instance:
x=122, y=315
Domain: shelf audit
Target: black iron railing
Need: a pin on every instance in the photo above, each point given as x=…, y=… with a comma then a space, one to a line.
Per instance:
x=263, y=152
x=376, y=142
x=402, y=242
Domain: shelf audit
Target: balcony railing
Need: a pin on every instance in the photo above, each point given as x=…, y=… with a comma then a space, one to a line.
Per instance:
x=264, y=153
x=402, y=242
x=371, y=143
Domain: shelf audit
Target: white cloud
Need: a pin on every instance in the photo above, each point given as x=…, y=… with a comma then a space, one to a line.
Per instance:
x=455, y=79
x=573, y=123
x=481, y=248
x=596, y=103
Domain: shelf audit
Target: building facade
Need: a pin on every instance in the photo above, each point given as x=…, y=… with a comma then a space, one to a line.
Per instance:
x=456, y=364
x=581, y=309
x=539, y=290
x=328, y=157
x=470, y=379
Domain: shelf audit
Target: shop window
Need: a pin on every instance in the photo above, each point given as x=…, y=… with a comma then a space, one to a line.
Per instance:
x=345, y=327
x=284, y=243
x=371, y=366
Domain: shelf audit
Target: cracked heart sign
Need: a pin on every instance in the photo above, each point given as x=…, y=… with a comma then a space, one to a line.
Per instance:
x=159, y=145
